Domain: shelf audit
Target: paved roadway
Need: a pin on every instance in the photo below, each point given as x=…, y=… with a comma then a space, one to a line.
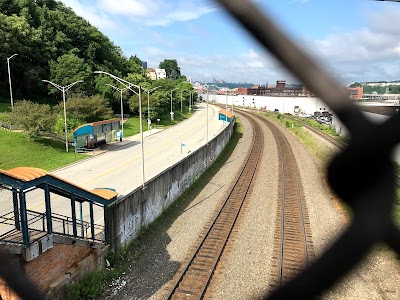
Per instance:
x=121, y=169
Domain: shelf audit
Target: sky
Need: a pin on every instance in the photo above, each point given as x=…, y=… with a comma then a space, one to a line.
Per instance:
x=355, y=40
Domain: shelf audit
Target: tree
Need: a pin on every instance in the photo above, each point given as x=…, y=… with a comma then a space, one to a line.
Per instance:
x=41, y=31
x=68, y=69
x=86, y=109
x=174, y=74
x=33, y=118
x=169, y=65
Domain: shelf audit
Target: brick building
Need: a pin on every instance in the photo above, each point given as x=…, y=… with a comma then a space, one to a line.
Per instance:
x=281, y=89
x=355, y=93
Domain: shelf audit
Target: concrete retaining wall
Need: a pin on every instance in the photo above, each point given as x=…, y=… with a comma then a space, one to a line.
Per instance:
x=129, y=214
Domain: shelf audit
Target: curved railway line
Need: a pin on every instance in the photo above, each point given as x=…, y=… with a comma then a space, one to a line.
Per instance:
x=293, y=248
x=322, y=134
x=196, y=275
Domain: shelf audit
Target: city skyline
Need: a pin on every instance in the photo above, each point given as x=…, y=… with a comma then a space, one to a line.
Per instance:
x=356, y=40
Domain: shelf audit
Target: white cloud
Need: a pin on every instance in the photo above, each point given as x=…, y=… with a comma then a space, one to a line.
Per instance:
x=132, y=8
x=180, y=15
x=91, y=14
x=369, y=53
x=232, y=68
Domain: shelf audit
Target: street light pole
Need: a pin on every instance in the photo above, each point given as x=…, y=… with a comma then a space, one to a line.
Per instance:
x=207, y=116
x=129, y=85
x=122, y=107
x=190, y=101
x=226, y=107
x=9, y=80
x=181, y=99
x=63, y=89
x=172, y=113
x=233, y=99
x=148, y=105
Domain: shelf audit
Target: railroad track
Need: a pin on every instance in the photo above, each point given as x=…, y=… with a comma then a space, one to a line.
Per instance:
x=322, y=134
x=293, y=248
x=195, y=277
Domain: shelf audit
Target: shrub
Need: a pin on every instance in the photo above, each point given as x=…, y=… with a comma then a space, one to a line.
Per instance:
x=89, y=287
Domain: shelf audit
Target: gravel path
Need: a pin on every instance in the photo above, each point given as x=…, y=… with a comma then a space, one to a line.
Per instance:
x=246, y=266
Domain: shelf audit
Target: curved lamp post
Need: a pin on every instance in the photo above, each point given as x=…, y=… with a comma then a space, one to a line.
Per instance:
x=172, y=113
x=226, y=107
x=129, y=86
x=148, y=105
x=63, y=89
x=181, y=99
x=190, y=100
x=9, y=80
x=122, y=108
x=207, y=113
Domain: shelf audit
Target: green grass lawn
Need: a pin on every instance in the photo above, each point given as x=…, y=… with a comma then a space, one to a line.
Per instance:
x=131, y=126
x=18, y=150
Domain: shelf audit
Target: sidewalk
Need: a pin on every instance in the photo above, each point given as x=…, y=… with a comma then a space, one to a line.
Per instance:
x=125, y=141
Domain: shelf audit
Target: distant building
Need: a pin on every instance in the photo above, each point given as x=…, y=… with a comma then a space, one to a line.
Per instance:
x=144, y=65
x=161, y=73
x=151, y=73
x=355, y=93
x=281, y=89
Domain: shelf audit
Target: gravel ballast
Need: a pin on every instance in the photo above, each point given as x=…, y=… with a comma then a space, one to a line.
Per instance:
x=246, y=267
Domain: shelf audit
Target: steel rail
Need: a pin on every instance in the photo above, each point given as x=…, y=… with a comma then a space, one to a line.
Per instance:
x=278, y=136
x=187, y=266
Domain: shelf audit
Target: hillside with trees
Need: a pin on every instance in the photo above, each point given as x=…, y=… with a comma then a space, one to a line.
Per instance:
x=55, y=44
x=52, y=43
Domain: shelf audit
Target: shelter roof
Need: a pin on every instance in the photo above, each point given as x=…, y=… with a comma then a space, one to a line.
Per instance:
x=226, y=113
x=27, y=174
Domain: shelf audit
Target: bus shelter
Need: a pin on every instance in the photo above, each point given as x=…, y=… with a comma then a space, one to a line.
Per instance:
x=225, y=115
x=89, y=136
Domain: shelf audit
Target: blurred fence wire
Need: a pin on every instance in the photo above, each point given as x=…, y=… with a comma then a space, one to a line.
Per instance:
x=363, y=174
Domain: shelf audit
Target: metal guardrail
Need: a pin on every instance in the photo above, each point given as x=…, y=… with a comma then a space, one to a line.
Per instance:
x=372, y=193
x=62, y=225
x=7, y=126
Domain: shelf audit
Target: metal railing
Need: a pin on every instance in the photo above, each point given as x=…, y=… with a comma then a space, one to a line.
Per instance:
x=62, y=225
x=7, y=126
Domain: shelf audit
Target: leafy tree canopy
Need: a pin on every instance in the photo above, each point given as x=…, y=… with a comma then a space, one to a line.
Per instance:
x=43, y=31
x=86, y=109
x=171, y=68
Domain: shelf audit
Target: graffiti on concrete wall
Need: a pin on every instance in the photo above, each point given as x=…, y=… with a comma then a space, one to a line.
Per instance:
x=154, y=204
x=173, y=192
x=152, y=208
x=191, y=176
x=130, y=228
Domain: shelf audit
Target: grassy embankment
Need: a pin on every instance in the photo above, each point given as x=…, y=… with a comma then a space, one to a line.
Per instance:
x=17, y=149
